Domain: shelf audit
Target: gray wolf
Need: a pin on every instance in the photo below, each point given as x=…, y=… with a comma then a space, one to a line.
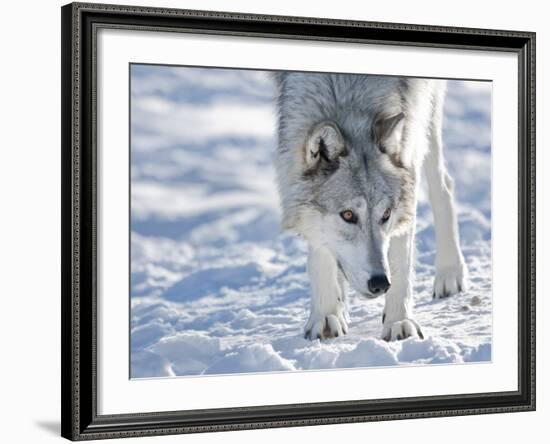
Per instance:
x=350, y=152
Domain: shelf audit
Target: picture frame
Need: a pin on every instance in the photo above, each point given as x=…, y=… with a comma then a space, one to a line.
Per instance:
x=81, y=173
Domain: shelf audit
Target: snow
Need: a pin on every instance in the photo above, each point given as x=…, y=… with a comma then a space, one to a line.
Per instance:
x=217, y=288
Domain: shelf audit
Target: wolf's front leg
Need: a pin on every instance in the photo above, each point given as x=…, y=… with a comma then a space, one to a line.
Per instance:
x=328, y=317
x=398, y=322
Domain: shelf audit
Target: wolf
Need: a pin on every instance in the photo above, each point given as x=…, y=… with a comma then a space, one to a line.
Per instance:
x=350, y=152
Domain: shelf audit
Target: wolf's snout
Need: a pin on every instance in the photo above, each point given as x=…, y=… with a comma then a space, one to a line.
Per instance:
x=378, y=284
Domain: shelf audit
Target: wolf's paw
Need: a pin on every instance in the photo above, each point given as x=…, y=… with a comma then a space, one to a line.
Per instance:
x=396, y=331
x=450, y=280
x=326, y=326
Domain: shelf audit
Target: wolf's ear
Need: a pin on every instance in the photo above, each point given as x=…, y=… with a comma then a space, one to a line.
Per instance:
x=324, y=144
x=387, y=132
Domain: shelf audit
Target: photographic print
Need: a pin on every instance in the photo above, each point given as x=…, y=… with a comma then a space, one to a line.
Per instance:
x=296, y=221
x=340, y=207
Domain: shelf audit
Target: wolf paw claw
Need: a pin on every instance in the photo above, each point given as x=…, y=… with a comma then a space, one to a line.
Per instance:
x=450, y=280
x=401, y=330
x=325, y=327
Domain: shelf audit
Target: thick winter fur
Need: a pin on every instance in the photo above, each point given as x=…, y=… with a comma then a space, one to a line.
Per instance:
x=354, y=146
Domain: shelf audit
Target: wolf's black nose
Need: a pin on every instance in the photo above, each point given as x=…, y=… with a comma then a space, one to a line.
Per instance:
x=378, y=284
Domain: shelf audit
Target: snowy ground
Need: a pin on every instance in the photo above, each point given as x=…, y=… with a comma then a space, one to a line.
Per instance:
x=217, y=288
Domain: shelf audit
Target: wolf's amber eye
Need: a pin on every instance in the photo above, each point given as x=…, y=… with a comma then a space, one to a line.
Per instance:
x=386, y=215
x=349, y=216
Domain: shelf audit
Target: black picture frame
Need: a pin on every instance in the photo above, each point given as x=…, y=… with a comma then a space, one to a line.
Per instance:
x=80, y=420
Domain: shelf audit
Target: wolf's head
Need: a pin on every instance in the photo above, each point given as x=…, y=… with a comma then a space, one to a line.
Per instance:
x=345, y=184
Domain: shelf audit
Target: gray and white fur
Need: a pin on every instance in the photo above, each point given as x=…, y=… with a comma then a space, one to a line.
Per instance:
x=351, y=149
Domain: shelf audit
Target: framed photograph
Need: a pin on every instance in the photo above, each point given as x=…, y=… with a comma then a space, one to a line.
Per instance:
x=282, y=221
